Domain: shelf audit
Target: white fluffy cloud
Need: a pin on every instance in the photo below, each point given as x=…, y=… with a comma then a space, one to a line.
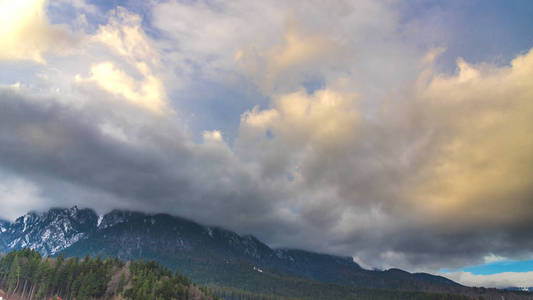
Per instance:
x=498, y=280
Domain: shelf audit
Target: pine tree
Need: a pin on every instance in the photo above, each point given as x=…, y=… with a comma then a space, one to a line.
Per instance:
x=14, y=276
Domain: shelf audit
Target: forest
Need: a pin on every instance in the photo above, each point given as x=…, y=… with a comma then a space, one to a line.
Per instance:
x=25, y=274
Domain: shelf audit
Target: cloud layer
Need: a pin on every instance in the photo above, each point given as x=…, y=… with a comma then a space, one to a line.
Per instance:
x=352, y=141
x=499, y=280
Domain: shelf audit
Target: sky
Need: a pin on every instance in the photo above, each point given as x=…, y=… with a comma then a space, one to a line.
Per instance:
x=396, y=132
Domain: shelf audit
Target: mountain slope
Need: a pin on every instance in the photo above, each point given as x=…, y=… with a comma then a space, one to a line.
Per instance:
x=4, y=226
x=215, y=255
x=208, y=255
x=110, y=278
x=48, y=232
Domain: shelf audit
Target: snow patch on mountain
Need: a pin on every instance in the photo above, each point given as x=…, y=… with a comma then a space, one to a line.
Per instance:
x=258, y=269
x=49, y=232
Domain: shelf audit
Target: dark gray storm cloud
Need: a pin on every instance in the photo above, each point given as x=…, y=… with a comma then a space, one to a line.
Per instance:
x=157, y=168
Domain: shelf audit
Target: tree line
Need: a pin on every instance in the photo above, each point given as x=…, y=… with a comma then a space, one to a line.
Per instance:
x=26, y=274
x=30, y=276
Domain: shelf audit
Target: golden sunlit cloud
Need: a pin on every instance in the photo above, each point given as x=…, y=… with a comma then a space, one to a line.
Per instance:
x=325, y=117
x=481, y=168
x=26, y=33
x=148, y=93
x=124, y=36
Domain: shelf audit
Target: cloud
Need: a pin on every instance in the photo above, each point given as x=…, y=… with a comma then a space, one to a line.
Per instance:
x=222, y=40
x=212, y=136
x=148, y=93
x=499, y=280
x=303, y=125
x=472, y=169
x=207, y=35
x=297, y=58
x=452, y=148
x=477, y=166
x=78, y=4
x=124, y=35
x=20, y=194
x=349, y=138
x=491, y=258
x=26, y=33
x=130, y=74
x=72, y=152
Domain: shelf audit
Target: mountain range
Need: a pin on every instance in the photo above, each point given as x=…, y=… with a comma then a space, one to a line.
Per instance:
x=208, y=255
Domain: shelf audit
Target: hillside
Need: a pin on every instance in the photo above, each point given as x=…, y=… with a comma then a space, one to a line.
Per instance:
x=211, y=255
x=24, y=274
x=217, y=257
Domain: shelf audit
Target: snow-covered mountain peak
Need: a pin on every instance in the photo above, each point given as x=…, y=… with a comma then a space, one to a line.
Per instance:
x=48, y=232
